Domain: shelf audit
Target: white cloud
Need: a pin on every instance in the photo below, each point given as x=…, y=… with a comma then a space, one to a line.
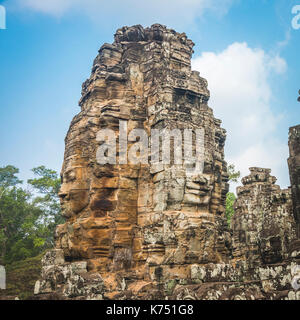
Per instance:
x=132, y=11
x=242, y=97
x=54, y=7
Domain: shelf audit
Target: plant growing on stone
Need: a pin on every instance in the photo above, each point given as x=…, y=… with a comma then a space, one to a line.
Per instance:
x=230, y=197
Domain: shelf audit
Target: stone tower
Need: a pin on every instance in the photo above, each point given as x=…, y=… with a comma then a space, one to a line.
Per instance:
x=125, y=216
x=263, y=224
x=150, y=229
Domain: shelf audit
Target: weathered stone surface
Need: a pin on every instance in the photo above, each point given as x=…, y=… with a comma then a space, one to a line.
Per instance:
x=263, y=224
x=152, y=231
x=123, y=216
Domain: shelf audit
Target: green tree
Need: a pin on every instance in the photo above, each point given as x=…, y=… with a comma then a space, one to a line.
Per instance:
x=27, y=220
x=16, y=217
x=230, y=197
x=8, y=177
x=233, y=175
x=47, y=183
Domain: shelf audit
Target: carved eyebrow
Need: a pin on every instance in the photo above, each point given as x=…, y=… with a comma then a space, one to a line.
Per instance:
x=68, y=175
x=69, y=171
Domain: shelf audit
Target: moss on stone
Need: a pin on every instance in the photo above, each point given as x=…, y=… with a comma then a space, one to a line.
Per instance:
x=21, y=277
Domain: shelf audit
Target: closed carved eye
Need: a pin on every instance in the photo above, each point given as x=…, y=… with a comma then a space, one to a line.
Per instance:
x=70, y=176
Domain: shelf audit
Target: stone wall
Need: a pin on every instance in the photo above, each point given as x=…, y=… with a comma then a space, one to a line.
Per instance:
x=263, y=224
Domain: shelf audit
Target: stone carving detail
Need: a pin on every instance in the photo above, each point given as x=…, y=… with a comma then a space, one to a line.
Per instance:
x=152, y=231
x=263, y=225
x=123, y=216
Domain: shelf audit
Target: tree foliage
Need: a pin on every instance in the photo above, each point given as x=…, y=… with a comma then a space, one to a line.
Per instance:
x=47, y=184
x=233, y=175
x=8, y=177
x=27, y=219
x=230, y=197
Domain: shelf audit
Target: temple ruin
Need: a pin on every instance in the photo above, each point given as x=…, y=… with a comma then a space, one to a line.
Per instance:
x=150, y=230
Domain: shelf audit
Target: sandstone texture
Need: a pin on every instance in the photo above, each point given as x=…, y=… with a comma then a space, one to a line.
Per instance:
x=152, y=231
x=263, y=225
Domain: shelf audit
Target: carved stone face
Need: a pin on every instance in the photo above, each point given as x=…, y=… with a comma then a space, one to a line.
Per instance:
x=74, y=192
x=102, y=201
x=107, y=206
x=271, y=250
